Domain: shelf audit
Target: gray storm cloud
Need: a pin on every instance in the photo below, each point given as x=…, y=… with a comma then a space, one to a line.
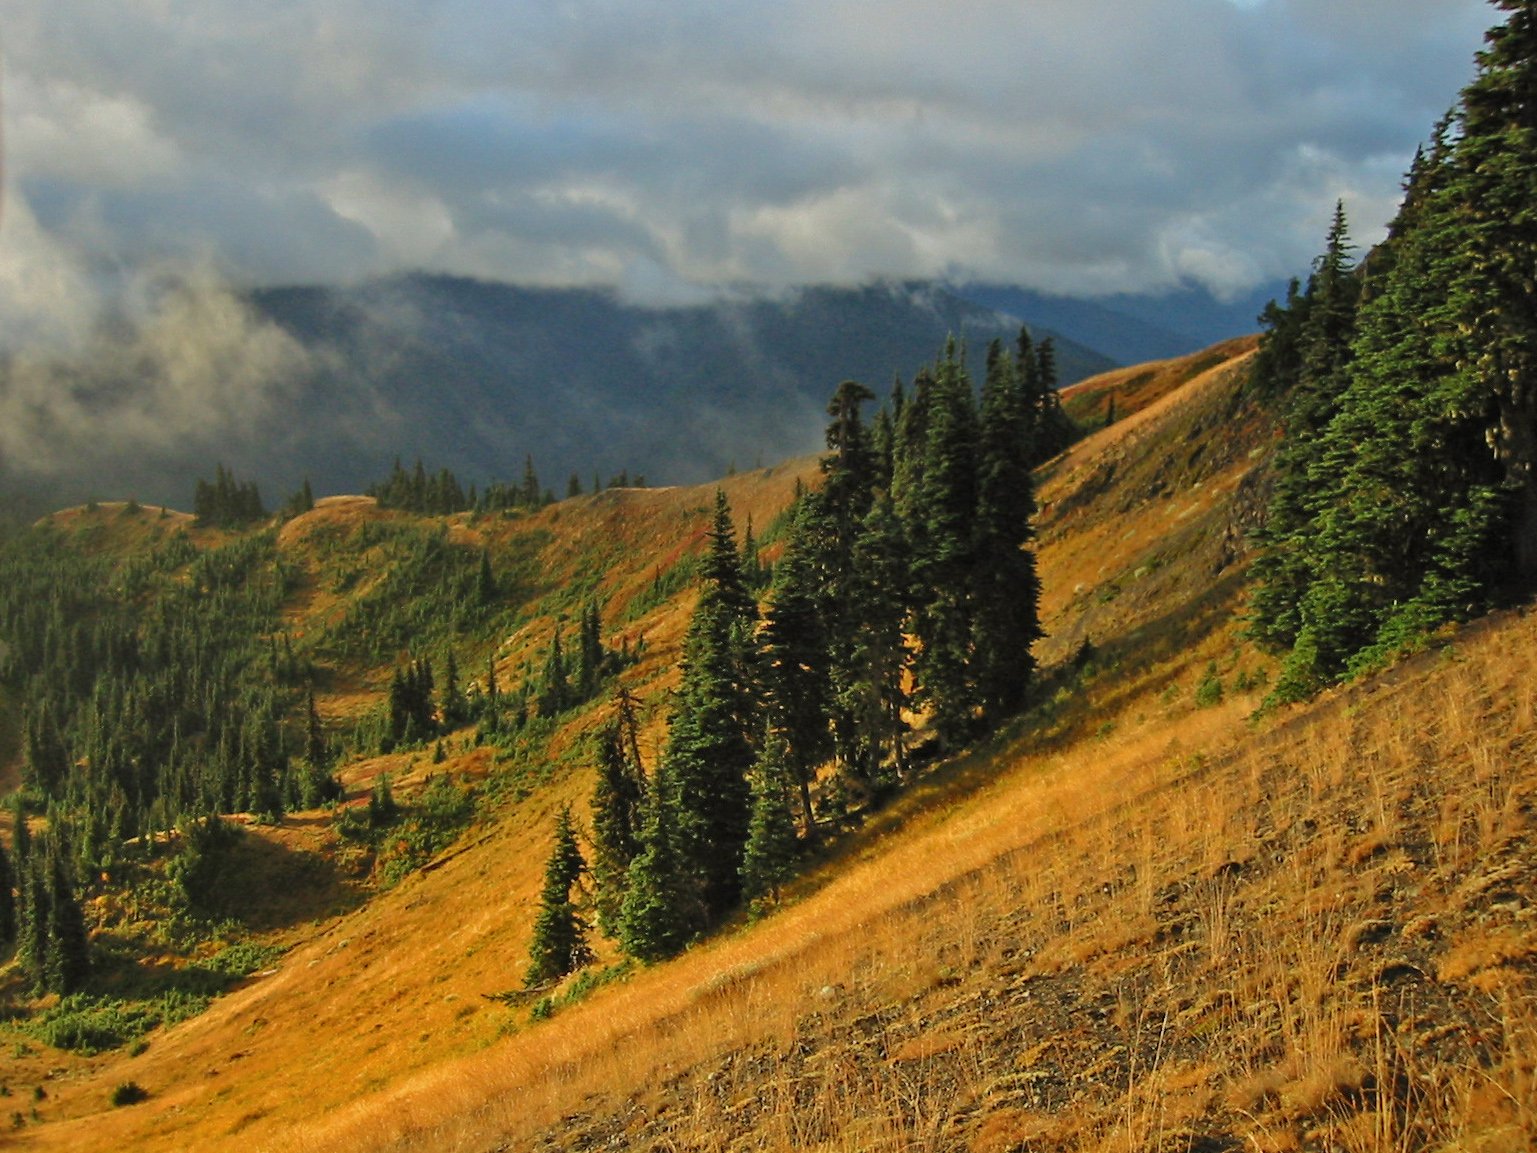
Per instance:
x=1068, y=146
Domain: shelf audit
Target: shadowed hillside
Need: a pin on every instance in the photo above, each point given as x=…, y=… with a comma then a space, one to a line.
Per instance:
x=1137, y=918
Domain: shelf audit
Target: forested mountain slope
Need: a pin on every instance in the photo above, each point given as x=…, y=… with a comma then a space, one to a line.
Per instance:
x=1133, y=918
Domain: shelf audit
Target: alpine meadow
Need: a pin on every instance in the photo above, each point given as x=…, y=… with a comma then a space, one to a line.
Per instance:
x=1058, y=758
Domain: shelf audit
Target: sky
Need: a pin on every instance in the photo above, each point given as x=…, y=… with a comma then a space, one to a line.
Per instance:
x=678, y=150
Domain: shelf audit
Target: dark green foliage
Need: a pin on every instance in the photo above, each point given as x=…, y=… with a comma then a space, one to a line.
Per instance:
x=382, y=809
x=226, y=502
x=153, y=688
x=128, y=1093
x=662, y=910
x=618, y=808
x=797, y=654
x=559, y=943
x=1006, y=589
x=7, y=903
x=714, y=721
x=413, y=716
x=53, y=949
x=416, y=492
x=940, y=507
x=1406, y=495
x=769, y=860
x=198, y=872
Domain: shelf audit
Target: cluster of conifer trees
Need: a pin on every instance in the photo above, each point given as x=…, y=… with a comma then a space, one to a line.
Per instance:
x=227, y=502
x=443, y=495
x=906, y=586
x=1406, y=486
x=39, y=913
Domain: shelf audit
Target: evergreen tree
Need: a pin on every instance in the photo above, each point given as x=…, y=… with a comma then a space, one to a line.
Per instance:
x=875, y=694
x=1322, y=339
x=618, y=811
x=939, y=520
x=796, y=667
x=1414, y=495
x=7, y=903
x=559, y=944
x=662, y=910
x=554, y=683
x=769, y=859
x=710, y=746
x=1006, y=588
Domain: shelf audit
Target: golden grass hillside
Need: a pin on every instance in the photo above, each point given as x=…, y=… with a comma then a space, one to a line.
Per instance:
x=1139, y=919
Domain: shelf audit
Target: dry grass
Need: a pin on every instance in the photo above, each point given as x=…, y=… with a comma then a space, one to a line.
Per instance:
x=1139, y=925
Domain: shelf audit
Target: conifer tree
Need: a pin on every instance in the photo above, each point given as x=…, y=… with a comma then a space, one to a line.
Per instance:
x=554, y=682
x=875, y=695
x=711, y=730
x=662, y=910
x=618, y=811
x=769, y=859
x=940, y=525
x=1006, y=588
x=7, y=903
x=559, y=944
x=1282, y=572
x=797, y=655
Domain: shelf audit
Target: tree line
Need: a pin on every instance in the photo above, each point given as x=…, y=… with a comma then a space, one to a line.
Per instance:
x=1405, y=488
x=906, y=587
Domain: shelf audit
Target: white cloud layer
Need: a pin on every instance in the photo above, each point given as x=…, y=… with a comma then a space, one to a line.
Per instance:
x=1080, y=146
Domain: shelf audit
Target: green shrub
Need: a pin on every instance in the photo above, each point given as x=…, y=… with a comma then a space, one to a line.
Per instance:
x=128, y=1093
x=1208, y=693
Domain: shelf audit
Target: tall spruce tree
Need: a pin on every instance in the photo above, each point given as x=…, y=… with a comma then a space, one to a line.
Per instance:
x=661, y=911
x=714, y=723
x=1006, y=588
x=939, y=522
x=769, y=861
x=1282, y=571
x=797, y=653
x=1420, y=501
x=7, y=903
x=618, y=811
x=559, y=944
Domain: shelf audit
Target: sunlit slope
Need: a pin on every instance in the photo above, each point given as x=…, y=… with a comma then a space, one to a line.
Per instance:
x=402, y=982
x=1136, y=920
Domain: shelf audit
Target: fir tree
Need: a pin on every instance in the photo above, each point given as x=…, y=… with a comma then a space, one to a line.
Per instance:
x=559, y=944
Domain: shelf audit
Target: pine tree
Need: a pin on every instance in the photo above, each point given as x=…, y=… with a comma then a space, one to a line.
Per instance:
x=559, y=944
x=769, y=860
x=554, y=682
x=875, y=694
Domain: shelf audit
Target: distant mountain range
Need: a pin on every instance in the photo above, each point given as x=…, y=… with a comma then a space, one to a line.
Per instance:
x=333, y=384
x=1133, y=329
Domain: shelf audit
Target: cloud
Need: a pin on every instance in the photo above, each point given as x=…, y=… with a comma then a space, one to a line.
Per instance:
x=99, y=366
x=692, y=146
